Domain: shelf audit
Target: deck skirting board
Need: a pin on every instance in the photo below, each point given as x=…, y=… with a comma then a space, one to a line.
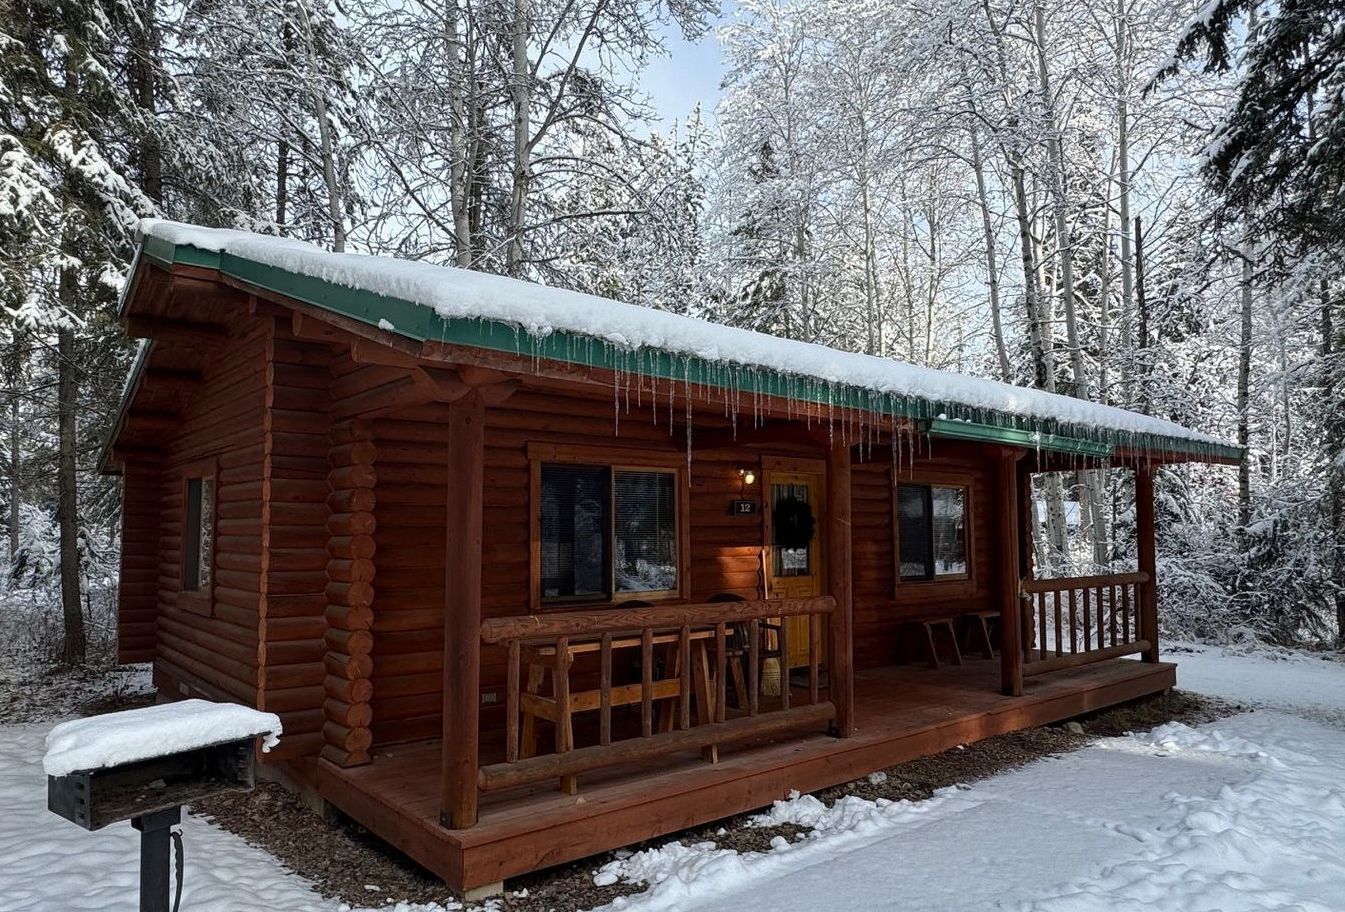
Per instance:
x=611, y=815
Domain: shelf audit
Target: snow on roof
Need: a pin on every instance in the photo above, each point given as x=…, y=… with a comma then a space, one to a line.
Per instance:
x=155, y=731
x=540, y=311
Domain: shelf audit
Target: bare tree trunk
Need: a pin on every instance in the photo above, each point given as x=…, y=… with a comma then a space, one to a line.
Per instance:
x=1336, y=443
x=874, y=336
x=326, y=149
x=520, y=91
x=991, y=266
x=1064, y=241
x=459, y=169
x=1142, y=304
x=1123, y=180
x=144, y=54
x=1042, y=369
x=282, y=183
x=1244, y=398
x=14, y=372
x=73, y=646
x=329, y=176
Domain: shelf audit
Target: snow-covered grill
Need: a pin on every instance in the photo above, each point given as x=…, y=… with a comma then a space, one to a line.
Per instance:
x=142, y=765
x=95, y=798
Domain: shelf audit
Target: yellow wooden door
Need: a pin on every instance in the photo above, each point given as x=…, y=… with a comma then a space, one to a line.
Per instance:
x=796, y=571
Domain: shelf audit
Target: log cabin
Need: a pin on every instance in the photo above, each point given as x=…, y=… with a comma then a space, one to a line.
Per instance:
x=530, y=575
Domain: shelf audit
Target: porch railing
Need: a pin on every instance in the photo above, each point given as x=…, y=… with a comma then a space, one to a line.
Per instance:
x=1075, y=621
x=695, y=645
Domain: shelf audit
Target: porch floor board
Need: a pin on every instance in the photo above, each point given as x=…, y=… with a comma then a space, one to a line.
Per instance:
x=903, y=712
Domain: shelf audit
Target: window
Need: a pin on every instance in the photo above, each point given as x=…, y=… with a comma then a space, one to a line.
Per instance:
x=932, y=531
x=198, y=531
x=606, y=532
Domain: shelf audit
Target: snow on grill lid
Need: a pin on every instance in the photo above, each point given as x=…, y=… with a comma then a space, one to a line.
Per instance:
x=541, y=310
x=155, y=731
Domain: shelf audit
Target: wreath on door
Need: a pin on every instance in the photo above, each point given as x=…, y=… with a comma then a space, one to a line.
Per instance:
x=793, y=523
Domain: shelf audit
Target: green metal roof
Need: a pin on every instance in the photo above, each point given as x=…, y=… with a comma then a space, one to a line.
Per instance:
x=421, y=323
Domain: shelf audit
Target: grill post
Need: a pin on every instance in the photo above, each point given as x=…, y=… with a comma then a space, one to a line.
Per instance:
x=155, y=838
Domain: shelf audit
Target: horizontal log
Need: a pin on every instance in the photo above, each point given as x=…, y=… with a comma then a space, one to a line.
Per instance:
x=349, y=431
x=1074, y=660
x=616, y=620
x=1082, y=582
x=359, y=690
x=282, y=677
x=341, y=665
x=360, y=475
x=351, y=739
x=358, y=500
x=351, y=715
x=333, y=754
x=293, y=747
x=351, y=547
x=348, y=617
x=356, y=595
x=293, y=699
x=357, y=452
x=350, y=571
x=498, y=776
x=362, y=523
x=350, y=642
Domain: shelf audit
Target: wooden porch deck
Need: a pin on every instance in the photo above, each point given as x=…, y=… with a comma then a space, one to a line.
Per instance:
x=902, y=713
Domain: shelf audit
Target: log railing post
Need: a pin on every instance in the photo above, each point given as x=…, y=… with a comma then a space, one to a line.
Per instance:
x=1010, y=566
x=1148, y=558
x=840, y=664
x=462, y=611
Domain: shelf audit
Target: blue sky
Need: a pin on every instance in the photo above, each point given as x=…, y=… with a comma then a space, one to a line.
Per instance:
x=689, y=73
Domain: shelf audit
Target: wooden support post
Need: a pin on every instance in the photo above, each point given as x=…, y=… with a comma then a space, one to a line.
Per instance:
x=462, y=610
x=1148, y=558
x=1010, y=566
x=840, y=648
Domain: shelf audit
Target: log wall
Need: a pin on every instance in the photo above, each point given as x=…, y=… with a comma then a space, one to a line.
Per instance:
x=295, y=488
x=882, y=605
x=138, y=581
x=329, y=592
x=214, y=652
x=409, y=539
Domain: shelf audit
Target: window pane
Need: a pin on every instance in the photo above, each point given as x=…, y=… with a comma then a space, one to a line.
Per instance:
x=646, y=531
x=913, y=531
x=949, y=510
x=574, y=531
x=206, y=532
x=791, y=517
x=198, y=534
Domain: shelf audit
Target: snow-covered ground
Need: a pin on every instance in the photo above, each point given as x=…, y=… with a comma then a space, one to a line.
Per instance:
x=1247, y=813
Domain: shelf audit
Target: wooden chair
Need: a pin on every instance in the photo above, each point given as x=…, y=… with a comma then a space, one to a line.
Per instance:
x=738, y=648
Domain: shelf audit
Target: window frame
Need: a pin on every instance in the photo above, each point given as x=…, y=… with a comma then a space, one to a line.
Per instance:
x=200, y=600
x=614, y=460
x=964, y=581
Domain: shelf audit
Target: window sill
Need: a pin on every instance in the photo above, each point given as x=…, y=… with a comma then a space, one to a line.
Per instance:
x=582, y=604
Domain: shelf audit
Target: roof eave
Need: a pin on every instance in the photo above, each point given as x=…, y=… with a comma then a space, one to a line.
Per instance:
x=420, y=323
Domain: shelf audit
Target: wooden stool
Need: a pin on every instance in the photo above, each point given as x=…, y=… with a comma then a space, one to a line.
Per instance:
x=931, y=648
x=977, y=626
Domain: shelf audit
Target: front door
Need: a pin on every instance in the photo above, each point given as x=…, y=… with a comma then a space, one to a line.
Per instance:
x=795, y=562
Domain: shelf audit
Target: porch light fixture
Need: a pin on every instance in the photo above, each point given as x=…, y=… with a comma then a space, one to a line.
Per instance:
x=748, y=476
